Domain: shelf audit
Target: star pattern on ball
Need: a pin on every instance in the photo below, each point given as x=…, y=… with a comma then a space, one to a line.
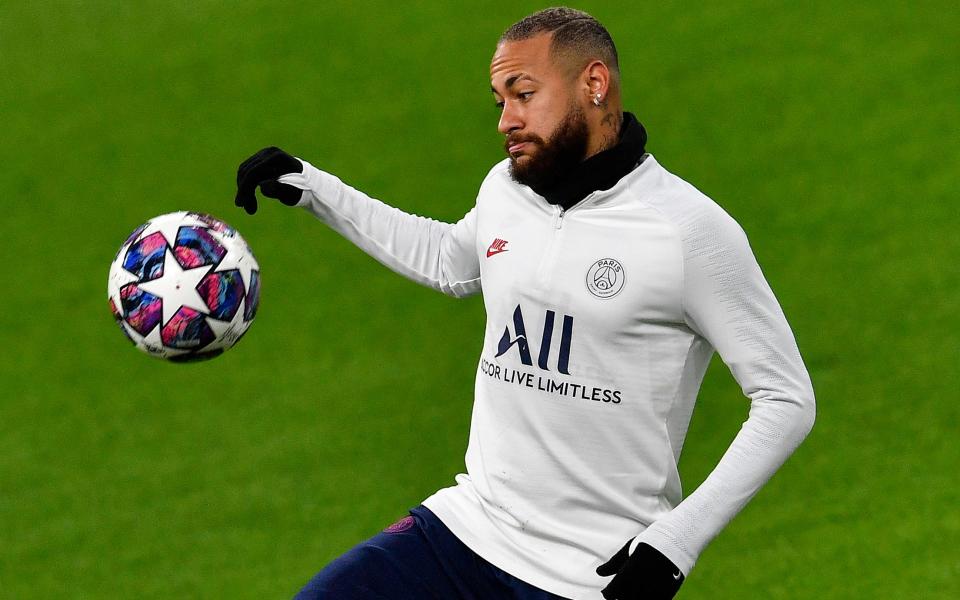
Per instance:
x=177, y=287
x=170, y=227
x=184, y=287
x=245, y=264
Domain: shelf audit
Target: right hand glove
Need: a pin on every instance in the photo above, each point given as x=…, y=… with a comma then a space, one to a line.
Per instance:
x=644, y=575
x=262, y=169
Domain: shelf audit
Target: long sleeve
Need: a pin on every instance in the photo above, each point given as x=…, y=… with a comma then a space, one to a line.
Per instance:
x=727, y=301
x=439, y=255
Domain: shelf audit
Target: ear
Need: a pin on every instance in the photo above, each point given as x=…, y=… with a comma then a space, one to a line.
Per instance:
x=596, y=80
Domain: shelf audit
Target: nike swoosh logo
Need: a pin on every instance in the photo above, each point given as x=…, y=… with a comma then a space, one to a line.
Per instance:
x=497, y=247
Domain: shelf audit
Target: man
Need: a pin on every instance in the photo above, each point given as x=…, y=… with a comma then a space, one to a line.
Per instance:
x=608, y=282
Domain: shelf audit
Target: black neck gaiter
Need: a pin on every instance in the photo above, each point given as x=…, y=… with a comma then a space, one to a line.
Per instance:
x=602, y=170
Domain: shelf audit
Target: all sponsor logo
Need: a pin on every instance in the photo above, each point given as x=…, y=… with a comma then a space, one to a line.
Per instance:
x=518, y=338
x=514, y=339
x=605, y=278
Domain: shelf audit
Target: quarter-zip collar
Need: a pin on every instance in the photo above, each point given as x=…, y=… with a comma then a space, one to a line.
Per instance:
x=602, y=170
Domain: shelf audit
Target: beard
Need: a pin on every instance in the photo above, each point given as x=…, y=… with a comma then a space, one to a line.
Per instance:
x=555, y=157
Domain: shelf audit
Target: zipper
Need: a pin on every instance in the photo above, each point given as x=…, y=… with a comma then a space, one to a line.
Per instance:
x=561, y=212
x=549, y=259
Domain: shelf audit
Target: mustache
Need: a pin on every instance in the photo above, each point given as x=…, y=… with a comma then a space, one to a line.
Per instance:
x=517, y=139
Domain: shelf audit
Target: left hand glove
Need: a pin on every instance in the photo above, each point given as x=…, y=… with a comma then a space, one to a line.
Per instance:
x=263, y=169
x=644, y=575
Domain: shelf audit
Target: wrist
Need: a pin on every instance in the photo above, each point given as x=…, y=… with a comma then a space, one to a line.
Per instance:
x=309, y=179
x=667, y=546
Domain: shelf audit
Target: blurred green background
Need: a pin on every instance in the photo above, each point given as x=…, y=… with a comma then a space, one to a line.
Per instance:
x=828, y=129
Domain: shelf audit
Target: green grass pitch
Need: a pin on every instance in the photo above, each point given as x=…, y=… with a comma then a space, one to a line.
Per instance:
x=828, y=129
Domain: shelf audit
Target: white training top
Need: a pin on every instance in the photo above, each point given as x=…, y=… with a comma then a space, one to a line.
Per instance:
x=601, y=321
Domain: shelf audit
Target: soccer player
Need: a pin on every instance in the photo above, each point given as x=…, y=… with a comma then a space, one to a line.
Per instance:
x=608, y=283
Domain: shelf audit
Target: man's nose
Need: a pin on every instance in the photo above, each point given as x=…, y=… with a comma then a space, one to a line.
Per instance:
x=509, y=119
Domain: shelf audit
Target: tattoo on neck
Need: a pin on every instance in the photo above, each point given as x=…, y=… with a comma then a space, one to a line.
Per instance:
x=610, y=137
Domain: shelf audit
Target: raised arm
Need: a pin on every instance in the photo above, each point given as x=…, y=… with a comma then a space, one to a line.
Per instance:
x=436, y=254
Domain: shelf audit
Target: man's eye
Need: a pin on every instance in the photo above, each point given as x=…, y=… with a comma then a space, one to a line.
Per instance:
x=522, y=96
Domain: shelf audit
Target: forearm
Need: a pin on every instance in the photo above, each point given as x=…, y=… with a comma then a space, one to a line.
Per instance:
x=774, y=429
x=432, y=253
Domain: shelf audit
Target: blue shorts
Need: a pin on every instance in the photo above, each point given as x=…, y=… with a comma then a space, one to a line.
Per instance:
x=416, y=558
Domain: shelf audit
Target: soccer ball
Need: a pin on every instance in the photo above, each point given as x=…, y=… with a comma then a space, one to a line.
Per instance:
x=184, y=287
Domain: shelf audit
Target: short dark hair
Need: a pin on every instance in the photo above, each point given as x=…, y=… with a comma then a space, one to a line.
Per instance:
x=576, y=35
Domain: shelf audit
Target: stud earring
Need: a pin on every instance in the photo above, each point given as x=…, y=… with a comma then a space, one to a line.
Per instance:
x=596, y=100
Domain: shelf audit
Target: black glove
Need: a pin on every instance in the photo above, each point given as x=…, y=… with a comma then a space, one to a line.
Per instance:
x=262, y=169
x=644, y=575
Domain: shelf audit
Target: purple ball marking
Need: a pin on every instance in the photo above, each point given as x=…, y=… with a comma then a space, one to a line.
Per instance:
x=222, y=291
x=252, y=301
x=142, y=310
x=136, y=233
x=186, y=330
x=130, y=239
x=196, y=248
x=145, y=257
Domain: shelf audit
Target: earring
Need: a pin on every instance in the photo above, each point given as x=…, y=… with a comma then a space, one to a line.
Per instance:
x=596, y=100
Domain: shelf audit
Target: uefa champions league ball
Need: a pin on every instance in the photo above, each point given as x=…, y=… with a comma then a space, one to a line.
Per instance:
x=184, y=287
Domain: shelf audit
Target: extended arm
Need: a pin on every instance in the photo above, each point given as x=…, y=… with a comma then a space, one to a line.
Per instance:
x=439, y=255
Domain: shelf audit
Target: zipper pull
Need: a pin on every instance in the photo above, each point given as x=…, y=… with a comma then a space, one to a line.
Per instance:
x=558, y=222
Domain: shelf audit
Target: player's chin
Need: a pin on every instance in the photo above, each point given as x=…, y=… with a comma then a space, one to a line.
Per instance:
x=521, y=159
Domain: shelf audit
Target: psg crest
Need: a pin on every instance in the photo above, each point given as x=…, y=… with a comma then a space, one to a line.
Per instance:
x=605, y=278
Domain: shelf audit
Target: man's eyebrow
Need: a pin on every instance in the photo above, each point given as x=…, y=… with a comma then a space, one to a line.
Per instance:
x=512, y=81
